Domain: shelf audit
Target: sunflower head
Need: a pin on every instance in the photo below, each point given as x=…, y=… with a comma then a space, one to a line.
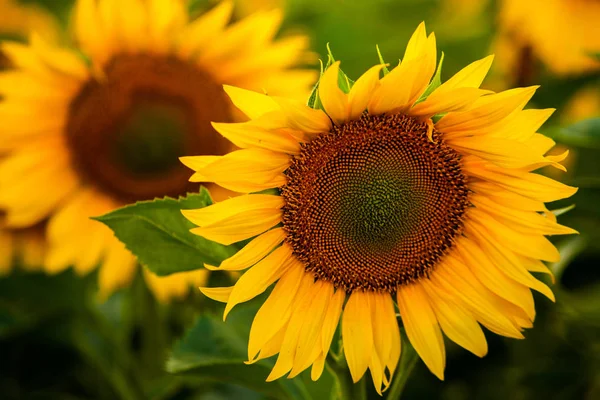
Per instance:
x=396, y=192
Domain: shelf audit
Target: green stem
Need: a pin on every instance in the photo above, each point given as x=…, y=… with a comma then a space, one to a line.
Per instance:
x=346, y=389
x=408, y=360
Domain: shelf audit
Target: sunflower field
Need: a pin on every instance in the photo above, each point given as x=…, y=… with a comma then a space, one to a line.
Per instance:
x=299, y=199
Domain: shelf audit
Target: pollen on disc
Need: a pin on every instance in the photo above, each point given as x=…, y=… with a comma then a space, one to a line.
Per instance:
x=374, y=204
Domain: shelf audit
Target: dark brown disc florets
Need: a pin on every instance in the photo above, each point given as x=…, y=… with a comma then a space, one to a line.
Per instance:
x=127, y=130
x=374, y=204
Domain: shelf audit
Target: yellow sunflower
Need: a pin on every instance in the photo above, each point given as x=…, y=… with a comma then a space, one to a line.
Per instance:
x=86, y=135
x=563, y=34
x=378, y=203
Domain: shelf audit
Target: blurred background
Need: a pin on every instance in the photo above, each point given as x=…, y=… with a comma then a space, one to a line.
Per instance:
x=59, y=340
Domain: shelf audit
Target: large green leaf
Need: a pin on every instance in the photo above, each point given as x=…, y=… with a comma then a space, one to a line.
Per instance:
x=584, y=133
x=215, y=351
x=158, y=234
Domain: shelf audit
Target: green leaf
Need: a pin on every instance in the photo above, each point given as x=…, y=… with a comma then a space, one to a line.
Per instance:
x=435, y=82
x=216, y=351
x=385, y=68
x=158, y=234
x=584, y=133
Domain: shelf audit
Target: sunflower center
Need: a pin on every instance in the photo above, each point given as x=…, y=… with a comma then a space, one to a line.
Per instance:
x=127, y=130
x=374, y=204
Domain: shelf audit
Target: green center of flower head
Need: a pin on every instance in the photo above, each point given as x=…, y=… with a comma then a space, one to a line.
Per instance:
x=127, y=130
x=374, y=204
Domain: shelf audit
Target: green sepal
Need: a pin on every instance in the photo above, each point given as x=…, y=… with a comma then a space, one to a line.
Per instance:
x=313, y=100
x=159, y=235
x=344, y=83
x=382, y=62
x=563, y=210
x=435, y=83
x=437, y=117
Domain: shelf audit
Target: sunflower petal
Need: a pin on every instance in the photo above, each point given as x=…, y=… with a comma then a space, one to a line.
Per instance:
x=333, y=99
x=422, y=327
x=357, y=334
x=258, y=278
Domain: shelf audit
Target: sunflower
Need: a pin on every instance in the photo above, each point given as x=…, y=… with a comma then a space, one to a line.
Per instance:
x=95, y=128
x=563, y=34
x=377, y=202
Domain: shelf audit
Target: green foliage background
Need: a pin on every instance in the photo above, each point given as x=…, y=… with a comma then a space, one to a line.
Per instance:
x=57, y=341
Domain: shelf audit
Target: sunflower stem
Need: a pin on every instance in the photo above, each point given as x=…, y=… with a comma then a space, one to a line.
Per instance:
x=408, y=360
x=345, y=389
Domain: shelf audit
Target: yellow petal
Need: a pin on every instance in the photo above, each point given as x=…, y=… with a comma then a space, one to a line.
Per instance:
x=386, y=335
x=535, y=246
x=401, y=88
x=204, y=29
x=197, y=163
x=253, y=252
x=253, y=104
x=502, y=152
x=442, y=102
x=534, y=186
x=361, y=92
x=470, y=76
x=528, y=222
x=239, y=227
x=357, y=334
x=523, y=124
x=247, y=170
x=458, y=324
x=334, y=100
x=417, y=43
x=300, y=315
x=487, y=111
x=250, y=134
x=258, y=278
x=304, y=118
x=317, y=367
x=332, y=318
x=494, y=279
x=456, y=282
x=309, y=338
x=540, y=143
x=88, y=30
x=225, y=209
x=220, y=294
x=422, y=327
x=504, y=197
x=276, y=310
x=506, y=260
x=166, y=19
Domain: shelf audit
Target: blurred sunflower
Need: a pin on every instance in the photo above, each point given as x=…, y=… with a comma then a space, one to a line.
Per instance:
x=87, y=135
x=563, y=34
x=377, y=202
x=17, y=20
